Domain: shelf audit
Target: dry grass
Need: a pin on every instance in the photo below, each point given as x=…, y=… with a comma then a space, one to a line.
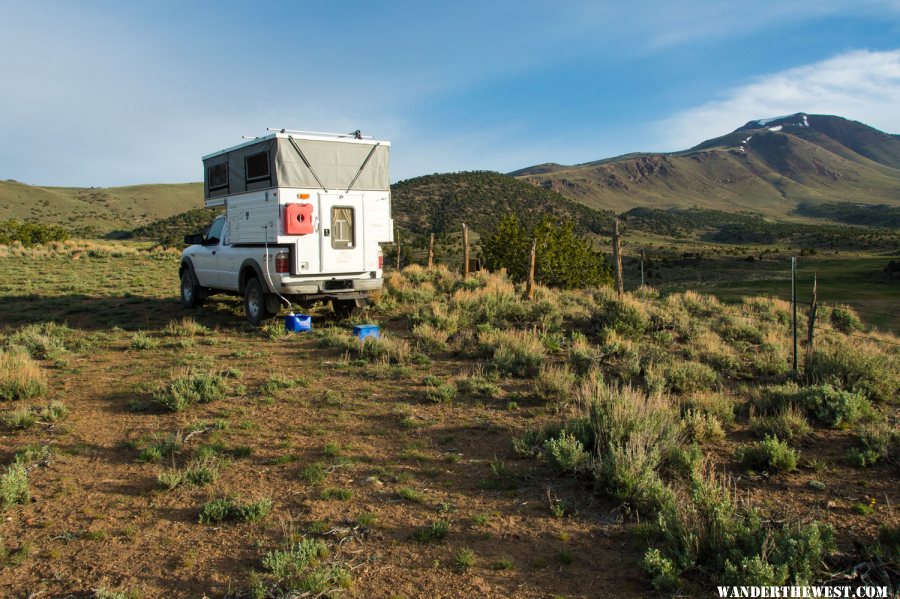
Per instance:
x=20, y=377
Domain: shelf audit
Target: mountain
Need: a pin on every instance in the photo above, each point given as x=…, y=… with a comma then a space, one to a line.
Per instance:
x=97, y=209
x=769, y=165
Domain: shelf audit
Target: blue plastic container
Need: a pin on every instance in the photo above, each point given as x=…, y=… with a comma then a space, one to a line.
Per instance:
x=361, y=331
x=297, y=323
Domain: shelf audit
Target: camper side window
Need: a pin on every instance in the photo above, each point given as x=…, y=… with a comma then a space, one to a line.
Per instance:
x=217, y=176
x=257, y=167
x=342, y=233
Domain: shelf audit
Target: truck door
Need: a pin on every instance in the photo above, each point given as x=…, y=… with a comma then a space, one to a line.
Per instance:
x=206, y=259
x=342, y=245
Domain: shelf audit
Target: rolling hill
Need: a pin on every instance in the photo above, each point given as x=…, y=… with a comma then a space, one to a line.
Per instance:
x=98, y=209
x=769, y=166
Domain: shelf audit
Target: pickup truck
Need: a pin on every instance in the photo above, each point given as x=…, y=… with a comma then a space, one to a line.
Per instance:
x=261, y=274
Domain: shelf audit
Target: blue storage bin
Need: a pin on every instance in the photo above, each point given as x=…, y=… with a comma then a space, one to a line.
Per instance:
x=361, y=331
x=297, y=323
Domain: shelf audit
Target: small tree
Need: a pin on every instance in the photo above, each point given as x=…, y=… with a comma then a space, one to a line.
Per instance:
x=562, y=260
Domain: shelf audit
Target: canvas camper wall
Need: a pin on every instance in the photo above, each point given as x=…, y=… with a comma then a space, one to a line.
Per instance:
x=273, y=162
x=255, y=180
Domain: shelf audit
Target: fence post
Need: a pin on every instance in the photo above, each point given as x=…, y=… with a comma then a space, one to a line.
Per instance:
x=529, y=290
x=794, y=307
x=398, y=249
x=642, y=273
x=813, y=308
x=617, y=258
x=465, y=250
x=431, y=251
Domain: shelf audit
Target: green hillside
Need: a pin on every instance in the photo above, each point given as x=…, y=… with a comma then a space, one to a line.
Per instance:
x=440, y=203
x=99, y=209
x=770, y=169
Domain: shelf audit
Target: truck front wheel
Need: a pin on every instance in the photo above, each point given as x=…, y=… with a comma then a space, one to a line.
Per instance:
x=191, y=295
x=255, y=302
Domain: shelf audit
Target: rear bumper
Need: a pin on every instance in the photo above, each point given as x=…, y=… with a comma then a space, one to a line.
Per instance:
x=320, y=286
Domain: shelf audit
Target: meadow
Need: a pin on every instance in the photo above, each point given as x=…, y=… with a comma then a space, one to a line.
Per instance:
x=580, y=445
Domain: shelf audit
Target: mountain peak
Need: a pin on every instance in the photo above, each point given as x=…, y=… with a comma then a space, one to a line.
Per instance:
x=798, y=119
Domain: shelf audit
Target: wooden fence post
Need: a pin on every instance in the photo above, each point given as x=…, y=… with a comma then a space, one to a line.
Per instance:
x=529, y=289
x=810, y=327
x=617, y=259
x=398, y=249
x=431, y=251
x=465, y=250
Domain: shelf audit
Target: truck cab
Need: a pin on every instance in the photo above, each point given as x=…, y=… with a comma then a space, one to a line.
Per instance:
x=304, y=218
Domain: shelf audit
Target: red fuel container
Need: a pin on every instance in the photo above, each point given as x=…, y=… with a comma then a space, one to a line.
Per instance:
x=298, y=219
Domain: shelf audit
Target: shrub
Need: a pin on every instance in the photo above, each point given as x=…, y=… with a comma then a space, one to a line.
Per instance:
x=566, y=453
x=860, y=368
x=788, y=423
x=297, y=569
x=769, y=454
x=711, y=532
x=186, y=390
x=876, y=442
x=29, y=234
x=683, y=377
x=170, y=478
x=835, y=407
x=186, y=327
x=626, y=317
x=465, y=558
x=436, y=531
x=556, y=384
x=20, y=418
x=431, y=337
x=717, y=404
x=515, y=353
x=14, y=485
x=335, y=493
x=702, y=427
x=845, y=319
x=20, y=377
x=142, y=341
x=228, y=509
x=484, y=386
x=442, y=393
x=54, y=411
x=202, y=471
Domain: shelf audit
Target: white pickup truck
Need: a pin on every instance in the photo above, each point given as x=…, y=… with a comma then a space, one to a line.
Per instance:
x=305, y=214
x=211, y=265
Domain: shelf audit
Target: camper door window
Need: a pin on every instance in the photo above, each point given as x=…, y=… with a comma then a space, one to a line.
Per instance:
x=217, y=176
x=342, y=227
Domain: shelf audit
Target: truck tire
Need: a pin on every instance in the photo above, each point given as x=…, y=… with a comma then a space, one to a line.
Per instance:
x=191, y=294
x=255, y=302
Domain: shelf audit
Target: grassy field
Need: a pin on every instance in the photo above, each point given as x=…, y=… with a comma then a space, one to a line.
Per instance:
x=472, y=451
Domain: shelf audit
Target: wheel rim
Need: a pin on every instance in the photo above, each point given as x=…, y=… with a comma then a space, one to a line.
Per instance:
x=253, y=303
x=187, y=291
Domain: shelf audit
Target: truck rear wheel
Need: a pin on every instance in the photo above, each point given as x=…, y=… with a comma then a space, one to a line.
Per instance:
x=190, y=294
x=255, y=302
x=344, y=308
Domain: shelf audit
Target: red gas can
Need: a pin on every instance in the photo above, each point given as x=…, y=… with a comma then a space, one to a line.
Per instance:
x=298, y=219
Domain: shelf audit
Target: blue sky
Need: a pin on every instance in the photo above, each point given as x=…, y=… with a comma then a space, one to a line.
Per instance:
x=118, y=93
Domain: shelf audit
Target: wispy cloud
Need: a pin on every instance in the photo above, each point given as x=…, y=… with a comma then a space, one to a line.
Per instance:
x=860, y=85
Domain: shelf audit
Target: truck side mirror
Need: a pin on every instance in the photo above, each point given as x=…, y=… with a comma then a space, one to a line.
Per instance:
x=193, y=239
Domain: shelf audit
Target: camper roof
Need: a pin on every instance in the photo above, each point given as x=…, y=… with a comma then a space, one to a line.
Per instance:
x=340, y=138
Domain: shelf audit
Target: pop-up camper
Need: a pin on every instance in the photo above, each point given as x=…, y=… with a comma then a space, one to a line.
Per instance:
x=304, y=214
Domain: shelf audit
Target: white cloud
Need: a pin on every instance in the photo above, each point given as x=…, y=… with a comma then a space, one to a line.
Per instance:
x=859, y=85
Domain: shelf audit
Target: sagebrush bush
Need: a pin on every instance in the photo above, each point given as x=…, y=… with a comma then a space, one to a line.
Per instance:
x=711, y=533
x=566, y=453
x=875, y=442
x=14, y=485
x=627, y=317
x=44, y=340
x=186, y=327
x=142, y=341
x=710, y=402
x=231, y=509
x=443, y=393
x=831, y=406
x=479, y=385
x=788, y=423
x=556, y=384
x=769, y=454
x=298, y=568
x=845, y=319
x=190, y=388
x=20, y=418
x=859, y=367
x=513, y=352
x=702, y=427
x=684, y=377
x=20, y=377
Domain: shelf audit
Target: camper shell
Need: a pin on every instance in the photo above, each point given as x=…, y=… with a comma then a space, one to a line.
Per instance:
x=304, y=214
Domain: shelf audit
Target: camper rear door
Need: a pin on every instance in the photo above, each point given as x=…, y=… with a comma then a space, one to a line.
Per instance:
x=341, y=233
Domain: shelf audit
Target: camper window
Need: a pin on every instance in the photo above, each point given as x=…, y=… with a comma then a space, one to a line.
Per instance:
x=217, y=175
x=342, y=227
x=257, y=166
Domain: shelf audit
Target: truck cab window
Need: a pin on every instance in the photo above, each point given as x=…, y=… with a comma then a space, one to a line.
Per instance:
x=214, y=233
x=342, y=227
